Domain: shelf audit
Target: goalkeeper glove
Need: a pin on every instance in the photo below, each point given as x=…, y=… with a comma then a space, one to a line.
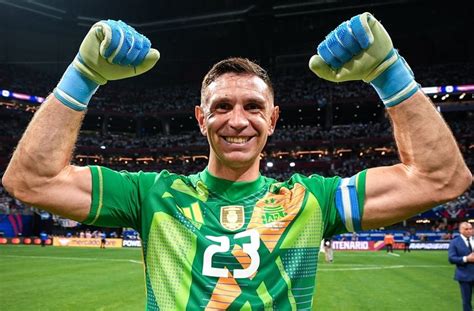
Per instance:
x=111, y=50
x=361, y=49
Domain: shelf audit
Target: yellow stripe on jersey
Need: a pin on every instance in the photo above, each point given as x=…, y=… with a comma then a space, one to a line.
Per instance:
x=196, y=210
x=192, y=213
x=101, y=194
x=187, y=213
x=265, y=296
x=287, y=280
x=167, y=195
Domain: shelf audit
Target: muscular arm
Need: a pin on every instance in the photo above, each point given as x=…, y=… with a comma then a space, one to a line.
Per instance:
x=40, y=173
x=432, y=170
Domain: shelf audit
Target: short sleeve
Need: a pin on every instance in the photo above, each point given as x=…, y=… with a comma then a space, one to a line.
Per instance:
x=117, y=197
x=341, y=201
x=349, y=201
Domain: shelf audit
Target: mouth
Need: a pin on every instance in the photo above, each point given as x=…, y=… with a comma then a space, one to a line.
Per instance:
x=237, y=139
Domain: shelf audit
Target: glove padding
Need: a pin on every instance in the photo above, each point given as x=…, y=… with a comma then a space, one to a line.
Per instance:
x=113, y=50
x=340, y=58
x=361, y=49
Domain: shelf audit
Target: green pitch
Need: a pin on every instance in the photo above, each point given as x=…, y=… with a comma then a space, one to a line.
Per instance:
x=369, y=281
x=54, y=278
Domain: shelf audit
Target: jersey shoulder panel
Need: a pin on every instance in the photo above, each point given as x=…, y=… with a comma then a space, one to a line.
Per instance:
x=323, y=191
x=117, y=196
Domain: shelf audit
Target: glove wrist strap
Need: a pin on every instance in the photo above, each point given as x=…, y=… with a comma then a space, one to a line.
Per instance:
x=396, y=83
x=74, y=90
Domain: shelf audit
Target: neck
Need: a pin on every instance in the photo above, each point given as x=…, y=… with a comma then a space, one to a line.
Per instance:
x=240, y=173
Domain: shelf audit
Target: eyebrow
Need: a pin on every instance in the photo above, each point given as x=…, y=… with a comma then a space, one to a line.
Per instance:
x=220, y=98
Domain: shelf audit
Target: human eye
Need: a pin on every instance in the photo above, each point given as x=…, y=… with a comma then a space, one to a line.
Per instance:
x=253, y=107
x=222, y=107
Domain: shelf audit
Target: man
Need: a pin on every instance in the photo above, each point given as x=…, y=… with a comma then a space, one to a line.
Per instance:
x=388, y=240
x=103, y=239
x=43, y=237
x=460, y=253
x=328, y=251
x=406, y=242
x=228, y=237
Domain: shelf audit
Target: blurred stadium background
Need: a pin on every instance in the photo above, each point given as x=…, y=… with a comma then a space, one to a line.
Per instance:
x=147, y=123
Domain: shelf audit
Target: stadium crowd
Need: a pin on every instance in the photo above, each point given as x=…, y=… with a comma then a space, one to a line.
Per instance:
x=292, y=86
x=342, y=149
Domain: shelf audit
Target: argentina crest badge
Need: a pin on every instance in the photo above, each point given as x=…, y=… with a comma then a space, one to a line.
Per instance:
x=232, y=217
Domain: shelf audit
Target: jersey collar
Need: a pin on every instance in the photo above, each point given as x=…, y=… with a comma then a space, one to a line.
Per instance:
x=231, y=190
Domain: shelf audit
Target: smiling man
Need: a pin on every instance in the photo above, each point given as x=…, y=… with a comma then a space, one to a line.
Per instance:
x=228, y=237
x=237, y=114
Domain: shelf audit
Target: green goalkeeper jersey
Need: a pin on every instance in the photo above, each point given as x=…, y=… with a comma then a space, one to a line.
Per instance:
x=214, y=244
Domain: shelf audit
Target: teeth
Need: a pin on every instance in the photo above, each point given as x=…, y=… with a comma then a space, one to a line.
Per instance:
x=237, y=140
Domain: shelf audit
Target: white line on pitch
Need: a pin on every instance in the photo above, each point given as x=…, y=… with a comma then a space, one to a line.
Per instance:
x=362, y=268
x=384, y=267
x=74, y=258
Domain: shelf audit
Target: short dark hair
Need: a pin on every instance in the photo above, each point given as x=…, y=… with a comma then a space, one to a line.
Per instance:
x=236, y=65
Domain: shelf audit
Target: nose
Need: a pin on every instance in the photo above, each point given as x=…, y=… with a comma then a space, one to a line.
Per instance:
x=238, y=119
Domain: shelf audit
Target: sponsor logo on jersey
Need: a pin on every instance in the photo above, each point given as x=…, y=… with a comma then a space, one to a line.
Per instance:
x=193, y=213
x=272, y=212
x=232, y=217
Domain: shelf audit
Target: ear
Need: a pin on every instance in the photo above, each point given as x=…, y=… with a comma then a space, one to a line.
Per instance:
x=199, y=115
x=273, y=119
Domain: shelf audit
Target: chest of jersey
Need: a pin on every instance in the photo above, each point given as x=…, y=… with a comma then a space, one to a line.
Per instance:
x=203, y=251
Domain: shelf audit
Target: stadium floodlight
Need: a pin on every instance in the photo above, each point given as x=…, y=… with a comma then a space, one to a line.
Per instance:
x=269, y=164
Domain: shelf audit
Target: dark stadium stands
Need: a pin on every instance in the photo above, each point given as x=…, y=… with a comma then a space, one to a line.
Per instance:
x=325, y=129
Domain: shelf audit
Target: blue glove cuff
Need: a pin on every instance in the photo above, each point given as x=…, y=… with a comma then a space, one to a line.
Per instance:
x=396, y=83
x=74, y=90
